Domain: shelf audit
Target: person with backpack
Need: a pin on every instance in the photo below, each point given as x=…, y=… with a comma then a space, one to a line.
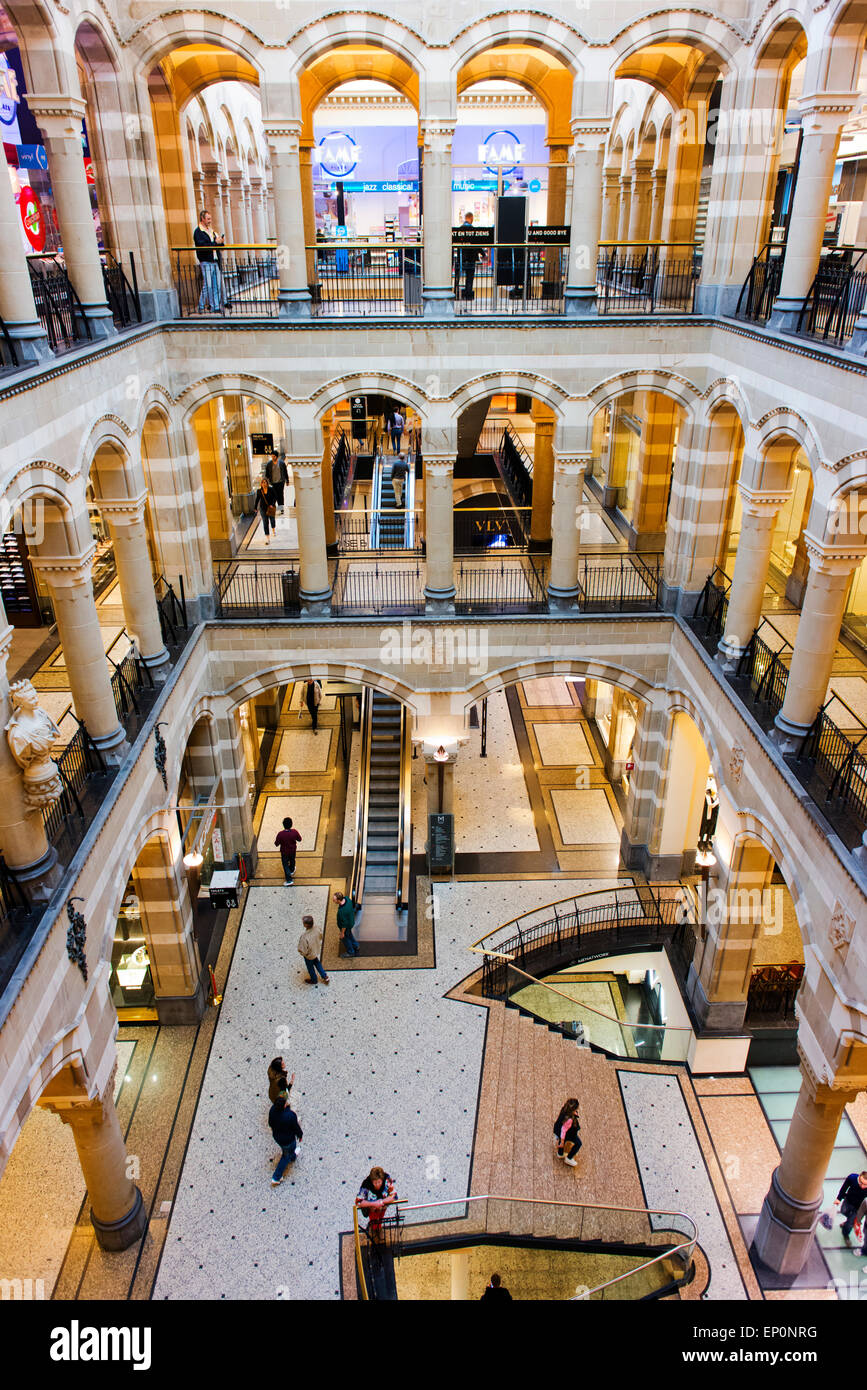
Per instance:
x=398, y=478
x=287, y=1134
x=566, y=1132
x=313, y=699
x=346, y=910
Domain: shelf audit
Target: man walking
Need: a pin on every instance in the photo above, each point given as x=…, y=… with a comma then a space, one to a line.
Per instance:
x=287, y=1133
x=849, y=1199
x=209, y=262
x=346, y=922
x=313, y=699
x=277, y=474
x=398, y=478
x=309, y=946
x=465, y=263
x=287, y=841
x=396, y=431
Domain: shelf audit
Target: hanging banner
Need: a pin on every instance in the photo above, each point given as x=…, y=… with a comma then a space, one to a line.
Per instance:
x=548, y=236
x=32, y=218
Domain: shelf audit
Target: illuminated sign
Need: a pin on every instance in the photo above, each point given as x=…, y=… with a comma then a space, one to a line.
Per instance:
x=338, y=154
x=383, y=186
x=8, y=95
x=502, y=150
x=32, y=218
x=32, y=157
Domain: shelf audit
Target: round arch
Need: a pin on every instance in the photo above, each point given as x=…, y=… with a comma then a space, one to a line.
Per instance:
x=374, y=383
x=679, y=388
x=558, y=40
x=496, y=383
x=726, y=392
x=751, y=826
x=262, y=681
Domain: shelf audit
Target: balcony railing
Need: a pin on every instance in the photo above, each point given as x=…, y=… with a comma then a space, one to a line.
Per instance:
x=375, y=591
x=510, y=587
x=762, y=284
x=507, y=278
x=836, y=297
x=646, y=278
x=624, y=584
x=353, y=278
x=121, y=290
x=481, y=529
x=373, y=532
x=57, y=304
x=245, y=283
x=341, y=467
x=772, y=993
x=711, y=610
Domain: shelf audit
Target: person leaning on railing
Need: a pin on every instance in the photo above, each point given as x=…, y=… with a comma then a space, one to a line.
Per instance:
x=209, y=262
x=376, y=1194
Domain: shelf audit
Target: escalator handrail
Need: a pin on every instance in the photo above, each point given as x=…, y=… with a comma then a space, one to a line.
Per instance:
x=404, y=848
x=376, y=502
x=362, y=805
x=409, y=501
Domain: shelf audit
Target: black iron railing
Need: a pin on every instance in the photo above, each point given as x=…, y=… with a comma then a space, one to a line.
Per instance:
x=57, y=304
x=172, y=608
x=646, y=279
x=765, y=670
x=257, y=591
x=78, y=764
x=360, y=278
x=839, y=759
x=505, y=278
x=341, y=462
x=516, y=468
x=762, y=284
x=711, y=610
x=626, y=584
x=130, y=676
x=374, y=591
x=836, y=297
x=244, y=283
x=772, y=993
x=508, y=587
x=121, y=291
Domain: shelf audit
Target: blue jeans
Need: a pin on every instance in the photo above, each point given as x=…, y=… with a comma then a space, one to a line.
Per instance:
x=849, y=1212
x=396, y=436
x=312, y=967
x=350, y=943
x=286, y=1157
x=212, y=286
x=288, y=867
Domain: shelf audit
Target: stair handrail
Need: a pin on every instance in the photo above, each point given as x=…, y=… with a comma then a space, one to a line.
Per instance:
x=683, y=1251
x=576, y=1003
x=376, y=500
x=680, y=893
x=362, y=805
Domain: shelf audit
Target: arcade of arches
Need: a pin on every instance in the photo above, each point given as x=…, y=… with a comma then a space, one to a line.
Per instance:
x=486, y=506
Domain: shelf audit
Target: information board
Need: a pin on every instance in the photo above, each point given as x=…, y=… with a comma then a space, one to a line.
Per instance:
x=473, y=236
x=548, y=236
x=262, y=443
x=441, y=841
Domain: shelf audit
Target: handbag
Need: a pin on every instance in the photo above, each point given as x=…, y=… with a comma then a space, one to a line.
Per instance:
x=272, y=509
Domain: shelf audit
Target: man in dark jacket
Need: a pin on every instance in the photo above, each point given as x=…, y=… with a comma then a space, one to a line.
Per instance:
x=465, y=264
x=205, y=238
x=849, y=1199
x=346, y=922
x=495, y=1292
x=287, y=1133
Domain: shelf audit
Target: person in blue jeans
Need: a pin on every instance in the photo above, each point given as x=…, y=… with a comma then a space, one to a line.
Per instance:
x=396, y=431
x=346, y=922
x=849, y=1199
x=309, y=946
x=287, y=1133
x=205, y=237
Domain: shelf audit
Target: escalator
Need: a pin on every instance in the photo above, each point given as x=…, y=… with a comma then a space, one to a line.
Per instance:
x=383, y=834
x=392, y=527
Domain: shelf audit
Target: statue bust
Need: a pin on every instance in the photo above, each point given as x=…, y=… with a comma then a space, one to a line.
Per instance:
x=31, y=734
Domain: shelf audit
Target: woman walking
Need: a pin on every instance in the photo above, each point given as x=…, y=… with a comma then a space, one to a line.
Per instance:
x=278, y=1080
x=312, y=699
x=567, y=1132
x=266, y=506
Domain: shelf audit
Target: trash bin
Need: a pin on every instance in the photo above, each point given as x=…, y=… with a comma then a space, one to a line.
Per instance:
x=291, y=580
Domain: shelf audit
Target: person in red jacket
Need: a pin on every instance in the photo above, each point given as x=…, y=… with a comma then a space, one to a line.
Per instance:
x=287, y=841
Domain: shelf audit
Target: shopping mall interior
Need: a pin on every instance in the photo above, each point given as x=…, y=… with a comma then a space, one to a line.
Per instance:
x=406, y=430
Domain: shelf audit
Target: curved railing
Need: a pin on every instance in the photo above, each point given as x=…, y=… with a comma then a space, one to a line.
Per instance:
x=619, y=1232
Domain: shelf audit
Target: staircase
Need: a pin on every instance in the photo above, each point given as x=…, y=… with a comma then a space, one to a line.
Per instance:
x=392, y=523
x=383, y=819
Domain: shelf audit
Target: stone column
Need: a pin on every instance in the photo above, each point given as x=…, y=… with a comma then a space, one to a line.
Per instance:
x=818, y=632
x=166, y=906
x=566, y=529
x=284, y=142
x=588, y=152
x=639, y=207
x=543, y=477
x=759, y=517
x=17, y=306
x=622, y=234
x=312, y=544
x=610, y=205
x=438, y=290
x=790, y=1211
x=117, y=1211
x=439, y=589
x=226, y=205
x=71, y=586
x=657, y=203
x=23, y=842
x=126, y=520
x=823, y=116
x=236, y=197
x=211, y=194
x=685, y=155
x=257, y=210
x=659, y=415
x=309, y=210
x=558, y=162
x=59, y=118
x=328, y=491
x=718, y=980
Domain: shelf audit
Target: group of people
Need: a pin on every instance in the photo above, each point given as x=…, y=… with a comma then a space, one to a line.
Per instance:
x=271, y=493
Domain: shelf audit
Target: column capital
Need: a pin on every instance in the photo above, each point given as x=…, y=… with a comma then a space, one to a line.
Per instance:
x=761, y=502
x=558, y=153
x=822, y=113
x=824, y=1089
x=7, y=632
x=57, y=114
x=641, y=168
x=438, y=465
x=66, y=571
x=282, y=136
x=436, y=134
x=303, y=466
x=590, y=132
x=123, y=510
x=568, y=465
x=833, y=560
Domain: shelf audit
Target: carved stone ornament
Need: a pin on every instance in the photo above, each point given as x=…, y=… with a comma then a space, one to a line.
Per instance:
x=32, y=734
x=736, y=763
x=841, y=928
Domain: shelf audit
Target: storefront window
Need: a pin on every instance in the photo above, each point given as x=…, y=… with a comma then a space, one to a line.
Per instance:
x=789, y=523
x=131, y=982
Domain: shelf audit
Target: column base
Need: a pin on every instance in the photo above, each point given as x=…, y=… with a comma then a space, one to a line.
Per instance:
x=785, y=314
x=721, y=301
x=157, y=305
x=858, y=341
x=787, y=736
x=675, y=599
x=562, y=600
x=113, y=747
x=120, y=1235
x=439, y=603
x=99, y=320
x=714, y=1015
x=40, y=878
x=293, y=304
x=727, y=655
x=31, y=343
x=653, y=866
x=181, y=1008
x=785, y=1232
x=580, y=304
x=438, y=304
x=158, y=664
x=317, y=604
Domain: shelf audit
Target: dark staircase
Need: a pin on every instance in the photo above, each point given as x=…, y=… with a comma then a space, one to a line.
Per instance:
x=383, y=816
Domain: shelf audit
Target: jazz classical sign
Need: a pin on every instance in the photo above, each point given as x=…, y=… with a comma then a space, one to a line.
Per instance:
x=338, y=154
x=501, y=151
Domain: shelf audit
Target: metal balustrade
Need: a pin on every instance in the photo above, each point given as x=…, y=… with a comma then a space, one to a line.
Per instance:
x=772, y=992
x=353, y=278
x=625, y=583
x=246, y=284
x=836, y=297
x=507, y=278
x=375, y=591
x=762, y=285
x=646, y=278
x=510, y=587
